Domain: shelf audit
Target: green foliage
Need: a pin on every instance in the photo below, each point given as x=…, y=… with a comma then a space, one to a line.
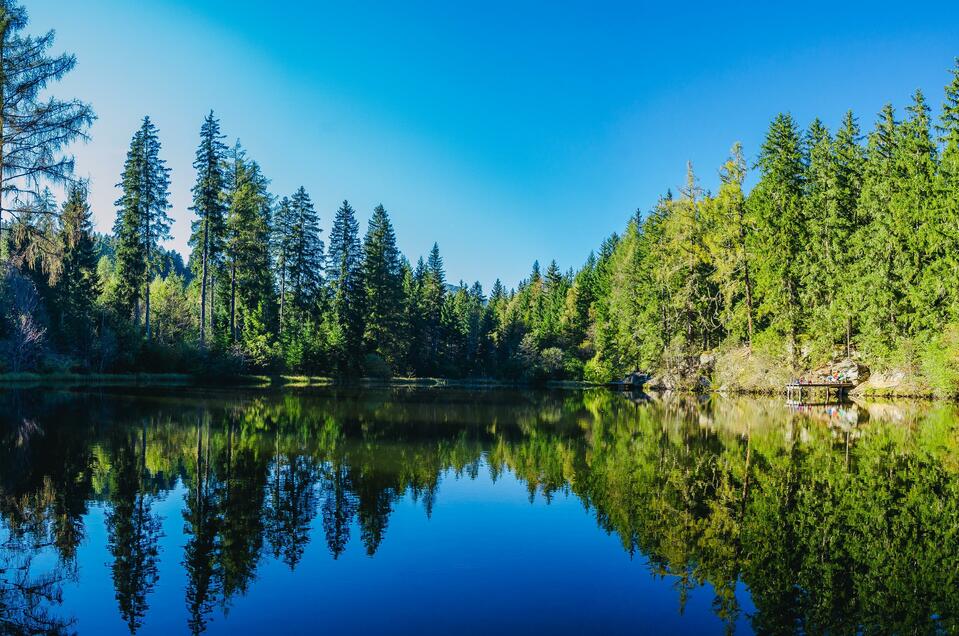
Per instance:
x=940, y=361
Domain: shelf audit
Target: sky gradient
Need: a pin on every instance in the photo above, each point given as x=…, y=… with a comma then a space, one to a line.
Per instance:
x=505, y=131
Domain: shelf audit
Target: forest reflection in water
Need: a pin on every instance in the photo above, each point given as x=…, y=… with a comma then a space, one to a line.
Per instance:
x=839, y=519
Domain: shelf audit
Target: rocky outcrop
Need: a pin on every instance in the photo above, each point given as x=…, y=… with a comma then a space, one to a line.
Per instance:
x=689, y=373
x=847, y=370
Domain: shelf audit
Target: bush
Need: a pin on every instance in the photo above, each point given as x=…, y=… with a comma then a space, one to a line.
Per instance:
x=597, y=370
x=375, y=366
x=940, y=361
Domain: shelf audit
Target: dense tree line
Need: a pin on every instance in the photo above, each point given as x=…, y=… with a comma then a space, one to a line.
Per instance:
x=845, y=244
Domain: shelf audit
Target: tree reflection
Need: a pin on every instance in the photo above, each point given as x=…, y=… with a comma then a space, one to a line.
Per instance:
x=834, y=521
x=133, y=530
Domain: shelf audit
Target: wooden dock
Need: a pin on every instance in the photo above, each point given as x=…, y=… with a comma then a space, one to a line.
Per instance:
x=795, y=391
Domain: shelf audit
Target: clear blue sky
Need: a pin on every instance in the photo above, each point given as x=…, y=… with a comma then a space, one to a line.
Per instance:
x=506, y=131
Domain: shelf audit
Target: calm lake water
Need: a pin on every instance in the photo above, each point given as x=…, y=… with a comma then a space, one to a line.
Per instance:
x=473, y=512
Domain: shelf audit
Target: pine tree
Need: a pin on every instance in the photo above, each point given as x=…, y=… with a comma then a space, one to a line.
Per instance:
x=306, y=254
x=142, y=219
x=247, y=248
x=344, y=274
x=432, y=299
x=77, y=285
x=913, y=206
x=282, y=240
x=850, y=161
x=947, y=189
x=383, y=281
x=729, y=236
x=34, y=127
x=781, y=237
x=209, y=228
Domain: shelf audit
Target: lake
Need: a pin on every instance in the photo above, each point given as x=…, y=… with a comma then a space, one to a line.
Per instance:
x=439, y=511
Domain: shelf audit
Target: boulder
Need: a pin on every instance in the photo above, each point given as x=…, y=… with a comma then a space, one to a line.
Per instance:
x=689, y=373
x=636, y=379
x=846, y=370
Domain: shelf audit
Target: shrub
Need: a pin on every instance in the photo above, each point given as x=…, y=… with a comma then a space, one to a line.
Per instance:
x=940, y=361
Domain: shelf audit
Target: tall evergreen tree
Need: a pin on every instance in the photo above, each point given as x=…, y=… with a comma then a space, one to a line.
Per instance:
x=209, y=206
x=35, y=128
x=947, y=188
x=306, y=255
x=345, y=278
x=250, y=283
x=142, y=219
x=729, y=236
x=78, y=284
x=776, y=203
x=383, y=281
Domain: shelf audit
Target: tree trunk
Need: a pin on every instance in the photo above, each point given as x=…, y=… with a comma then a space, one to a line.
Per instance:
x=212, y=303
x=233, y=301
x=848, y=335
x=147, y=293
x=203, y=287
x=282, y=295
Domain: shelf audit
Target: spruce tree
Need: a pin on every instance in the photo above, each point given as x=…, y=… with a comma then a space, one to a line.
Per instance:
x=209, y=207
x=282, y=240
x=913, y=206
x=305, y=264
x=432, y=299
x=729, y=239
x=247, y=250
x=344, y=275
x=877, y=243
x=35, y=128
x=78, y=284
x=142, y=219
x=947, y=189
x=849, y=158
x=383, y=281
x=781, y=237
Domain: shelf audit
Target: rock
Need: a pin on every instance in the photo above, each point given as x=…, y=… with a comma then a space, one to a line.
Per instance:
x=636, y=379
x=846, y=370
x=690, y=373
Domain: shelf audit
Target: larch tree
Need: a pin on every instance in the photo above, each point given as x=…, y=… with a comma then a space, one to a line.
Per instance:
x=209, y=206
x=35, y=129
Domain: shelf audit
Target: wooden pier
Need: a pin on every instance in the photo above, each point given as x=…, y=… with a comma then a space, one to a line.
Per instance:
x=795, y=391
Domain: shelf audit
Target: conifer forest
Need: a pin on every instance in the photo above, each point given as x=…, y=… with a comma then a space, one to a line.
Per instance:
x=819, y=244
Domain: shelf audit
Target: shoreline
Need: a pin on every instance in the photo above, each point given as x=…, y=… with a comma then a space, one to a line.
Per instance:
x=165, y=380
